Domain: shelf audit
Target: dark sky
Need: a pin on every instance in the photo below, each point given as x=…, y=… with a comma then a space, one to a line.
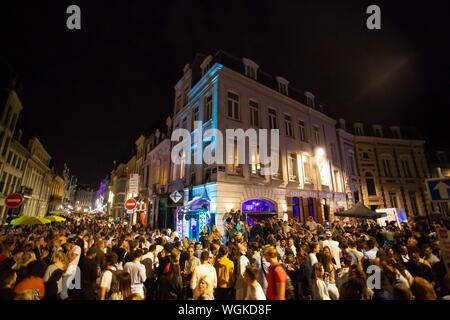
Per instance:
x=88, y=94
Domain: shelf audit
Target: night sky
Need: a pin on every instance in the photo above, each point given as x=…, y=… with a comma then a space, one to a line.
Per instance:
x=88, y=94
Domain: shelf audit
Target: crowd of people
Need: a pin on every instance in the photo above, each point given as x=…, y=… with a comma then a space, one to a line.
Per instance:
x=87, y=258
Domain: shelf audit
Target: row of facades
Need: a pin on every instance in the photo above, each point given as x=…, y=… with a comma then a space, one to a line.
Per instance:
x=26, y=168
x=325, y=165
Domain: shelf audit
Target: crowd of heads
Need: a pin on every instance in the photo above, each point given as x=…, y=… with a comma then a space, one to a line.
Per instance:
x=93, y=258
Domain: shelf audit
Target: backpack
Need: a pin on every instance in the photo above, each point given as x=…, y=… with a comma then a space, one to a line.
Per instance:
x=114, y=288
x=289, y=289
x=51, y=286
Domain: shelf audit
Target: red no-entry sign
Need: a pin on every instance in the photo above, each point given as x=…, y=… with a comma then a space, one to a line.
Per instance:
x=130, y=204
x=14, y=200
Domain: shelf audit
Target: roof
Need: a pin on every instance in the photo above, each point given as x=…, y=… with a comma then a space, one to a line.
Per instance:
x=234, y=63
x=360, y=211
x=406, y=132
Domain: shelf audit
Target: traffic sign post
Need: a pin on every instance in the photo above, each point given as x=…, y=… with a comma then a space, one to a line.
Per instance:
x=439, y=189
x=130, y=204
x=176, y=196
x=14, y=200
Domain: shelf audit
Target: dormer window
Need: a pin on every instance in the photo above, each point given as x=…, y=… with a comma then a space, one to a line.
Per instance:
x=359, y=131
x=396, y=132
x=377, y=130
x=310, y=99
x=251, y=68
x=206, y=65
x=282, y=85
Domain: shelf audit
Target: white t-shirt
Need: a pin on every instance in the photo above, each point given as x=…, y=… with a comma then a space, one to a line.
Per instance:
x=255, y=293
x=138, y=276
x=72, y=268
x=204, y=270
x=105, y=281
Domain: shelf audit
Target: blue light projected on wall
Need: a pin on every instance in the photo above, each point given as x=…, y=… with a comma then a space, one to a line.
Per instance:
x=258, y=205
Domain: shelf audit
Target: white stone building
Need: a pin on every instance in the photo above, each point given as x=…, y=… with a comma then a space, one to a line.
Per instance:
x=225, y=92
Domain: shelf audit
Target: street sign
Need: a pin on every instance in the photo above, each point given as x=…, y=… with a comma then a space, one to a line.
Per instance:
x=175, y=196
x=130, y=204
x=14, y=200
x=439, y=189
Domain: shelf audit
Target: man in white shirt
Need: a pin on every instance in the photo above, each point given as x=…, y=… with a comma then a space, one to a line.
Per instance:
x=137, y=272
x=291, y=246
x=371, y=254
x=205, y=269
x=241, y=286
x=311, y=224
x=281, y=248
x=73, y=254
x=334, y=248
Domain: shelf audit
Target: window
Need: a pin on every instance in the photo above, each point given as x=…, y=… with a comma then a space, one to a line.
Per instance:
x=14, y=160
x=182, y=164
x=19, y=163
x=250, y=72
x=396, y=132
x=6, y=121
x=292, y=167
x=254, y=113
x=2, y=182
x=413, y=200
x=378, y=132
x=178, y=103
x=185, y=96
x=387, y=168
x=317, y=138
x=12, y=125
x=234, y=167
x=195, y=116
x=9, y=158
x=359, y=131
x=208, y=108
x=302, y=129
x=273, y=122
x=233, y=106
x=283, y=88
x=256, y=165
x=334, y=156
x=393, y=199
x=351, y=164
x=306, y=169
x=310, y=99
x=205, y=68
x=405, y=167
x=365, y=156
x=288, y=125
x=5, y=147
x=370, y=182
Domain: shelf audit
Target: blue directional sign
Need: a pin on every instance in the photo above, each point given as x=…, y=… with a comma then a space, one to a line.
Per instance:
x=439, y=189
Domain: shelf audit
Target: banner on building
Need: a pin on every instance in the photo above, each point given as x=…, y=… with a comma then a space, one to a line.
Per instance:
x=133, y=185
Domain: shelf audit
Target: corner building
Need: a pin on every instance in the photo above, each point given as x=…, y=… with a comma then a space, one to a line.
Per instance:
x=225, y=92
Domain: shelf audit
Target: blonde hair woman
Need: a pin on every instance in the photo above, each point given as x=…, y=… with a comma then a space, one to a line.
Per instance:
x=204, y=289
x=54, y=273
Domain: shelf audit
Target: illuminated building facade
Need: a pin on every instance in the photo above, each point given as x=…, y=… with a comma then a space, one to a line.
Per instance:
x=225, y=92
x=392, y=168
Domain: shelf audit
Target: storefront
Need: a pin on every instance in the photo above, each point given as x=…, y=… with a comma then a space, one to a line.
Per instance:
x=193, y=217
x=258, y=209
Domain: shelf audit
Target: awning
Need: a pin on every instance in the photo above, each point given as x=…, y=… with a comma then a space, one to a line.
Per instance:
x=196, y=201
x=360, y=211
